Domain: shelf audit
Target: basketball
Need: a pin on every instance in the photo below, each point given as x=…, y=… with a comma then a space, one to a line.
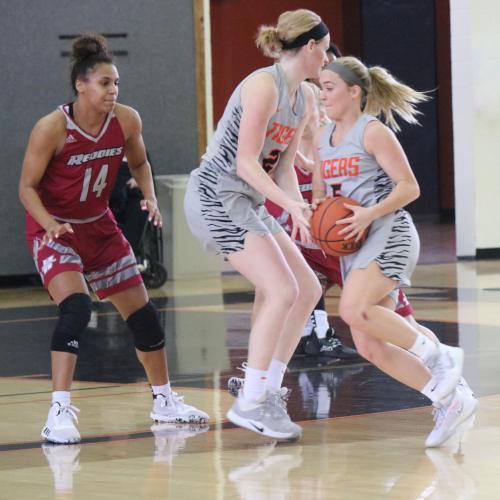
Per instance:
x=324, y=227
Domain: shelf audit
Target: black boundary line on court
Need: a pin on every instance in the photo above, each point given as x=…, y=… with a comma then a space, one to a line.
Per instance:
x=29, y=445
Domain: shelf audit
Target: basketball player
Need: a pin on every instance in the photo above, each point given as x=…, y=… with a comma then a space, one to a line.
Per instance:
x=255, y=143
x=360, y=157
x=69, y=169
x=318, y=338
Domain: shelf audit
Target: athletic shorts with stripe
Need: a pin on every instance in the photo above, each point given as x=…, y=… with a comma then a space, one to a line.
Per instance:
x=97, y=249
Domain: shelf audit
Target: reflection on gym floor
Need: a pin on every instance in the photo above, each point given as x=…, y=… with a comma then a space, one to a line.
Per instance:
x=355, y=418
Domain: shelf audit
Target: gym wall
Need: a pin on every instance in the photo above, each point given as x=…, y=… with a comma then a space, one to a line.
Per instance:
x=156, y=60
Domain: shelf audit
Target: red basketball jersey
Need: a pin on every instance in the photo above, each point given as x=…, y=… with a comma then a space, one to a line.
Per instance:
x=305, y=186
x=78, y=180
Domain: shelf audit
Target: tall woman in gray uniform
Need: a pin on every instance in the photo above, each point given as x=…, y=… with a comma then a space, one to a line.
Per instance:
x=250, y=158
x=359, y=157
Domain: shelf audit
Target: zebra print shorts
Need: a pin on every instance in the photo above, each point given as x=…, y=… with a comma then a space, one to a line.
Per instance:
x=393, y=243
x=221, y=209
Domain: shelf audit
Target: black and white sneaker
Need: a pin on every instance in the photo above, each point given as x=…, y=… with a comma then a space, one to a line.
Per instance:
x=330, y=346
x=301, y=346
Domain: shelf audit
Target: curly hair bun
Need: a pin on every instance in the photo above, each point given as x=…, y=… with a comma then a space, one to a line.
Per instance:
x=89, y=45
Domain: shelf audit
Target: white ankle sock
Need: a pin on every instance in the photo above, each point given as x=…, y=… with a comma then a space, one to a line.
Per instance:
x=255, y=383
x=424, y=348
x=427, y=390
x=161, y=389
x=63, y=397
x=321, y=319
x=275, y=374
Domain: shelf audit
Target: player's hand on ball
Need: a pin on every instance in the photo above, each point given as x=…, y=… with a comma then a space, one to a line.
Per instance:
x=317, y=202
x=361, y=218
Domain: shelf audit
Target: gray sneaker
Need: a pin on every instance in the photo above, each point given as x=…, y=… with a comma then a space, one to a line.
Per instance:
x=234, y=384
x=268, y=416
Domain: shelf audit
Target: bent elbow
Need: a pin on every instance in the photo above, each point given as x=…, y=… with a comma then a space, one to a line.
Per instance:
x=242, y=169
x=20, y=192
x=416, y=192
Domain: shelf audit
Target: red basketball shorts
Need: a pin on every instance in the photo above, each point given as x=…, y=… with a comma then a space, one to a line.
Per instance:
x=97, y=249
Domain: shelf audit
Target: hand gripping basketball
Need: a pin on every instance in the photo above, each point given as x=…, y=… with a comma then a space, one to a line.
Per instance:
x=326, y=230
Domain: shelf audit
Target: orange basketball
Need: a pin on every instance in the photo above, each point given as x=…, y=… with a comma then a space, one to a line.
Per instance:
x=324, y=227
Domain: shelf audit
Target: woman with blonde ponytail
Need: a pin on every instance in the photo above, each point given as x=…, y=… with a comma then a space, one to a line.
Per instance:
x=359, y=157
x=250, y=158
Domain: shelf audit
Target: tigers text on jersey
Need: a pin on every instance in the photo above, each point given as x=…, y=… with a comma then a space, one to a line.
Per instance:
x=221, y=151
x=220, y=206
x=78, y=180
x=347, y=168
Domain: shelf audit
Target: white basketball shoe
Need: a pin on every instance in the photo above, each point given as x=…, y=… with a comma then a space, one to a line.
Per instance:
x=60, y=425
x=171, y=408
x=450, y=418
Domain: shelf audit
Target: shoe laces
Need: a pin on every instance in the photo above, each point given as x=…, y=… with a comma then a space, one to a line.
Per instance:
x=442, y=365
x=243, y=367
x=332, y=341
x=438, y=414
x=178, y=400
x=278, y=401
x=68, y=409
x=175, y=398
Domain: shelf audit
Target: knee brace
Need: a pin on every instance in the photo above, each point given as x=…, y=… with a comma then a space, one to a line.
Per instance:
x=74, y=315
x=145, y=325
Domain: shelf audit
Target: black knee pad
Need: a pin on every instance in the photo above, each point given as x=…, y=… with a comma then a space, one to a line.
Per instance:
x=145, y=325
x=74, y=316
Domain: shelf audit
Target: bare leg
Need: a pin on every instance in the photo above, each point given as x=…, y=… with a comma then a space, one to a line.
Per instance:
x=380, y=335
x=276, y=289
x=422, y=329
x=364, y=289
x=392, y=360
x=309, y=294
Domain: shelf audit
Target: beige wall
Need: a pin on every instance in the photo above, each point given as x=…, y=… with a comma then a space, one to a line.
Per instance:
x=475, y=43
x=486, y=57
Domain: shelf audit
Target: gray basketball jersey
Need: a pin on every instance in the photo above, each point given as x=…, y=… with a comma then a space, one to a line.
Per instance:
x=221, y=151
x=349, y=170
x=220, y=206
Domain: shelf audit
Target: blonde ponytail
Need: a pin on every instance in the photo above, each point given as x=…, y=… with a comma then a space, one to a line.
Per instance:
x=291, y=24
x=382, y=94
x=388, y=97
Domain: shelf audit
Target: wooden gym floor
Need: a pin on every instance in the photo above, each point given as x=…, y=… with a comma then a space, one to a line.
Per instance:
x=363, y=433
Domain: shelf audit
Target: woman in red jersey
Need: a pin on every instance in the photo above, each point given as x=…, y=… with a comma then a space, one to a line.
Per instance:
x=69, y=170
